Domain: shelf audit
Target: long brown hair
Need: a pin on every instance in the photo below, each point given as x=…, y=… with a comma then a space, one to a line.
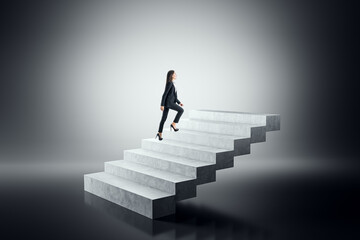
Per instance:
x=169, y=76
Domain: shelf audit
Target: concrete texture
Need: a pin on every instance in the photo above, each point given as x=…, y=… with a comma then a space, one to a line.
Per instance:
x=144, y=200
x=271, y=121
x=203, y=172
x=179, y=185
x=220, y=157
x=255, y=131
x=149, y=180
x=240, y=144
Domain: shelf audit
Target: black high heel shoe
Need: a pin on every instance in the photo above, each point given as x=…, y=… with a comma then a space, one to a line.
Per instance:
x=158, y=135
x=175, y=129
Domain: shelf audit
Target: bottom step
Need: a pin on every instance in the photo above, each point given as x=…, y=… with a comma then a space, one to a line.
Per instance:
x=144, y=200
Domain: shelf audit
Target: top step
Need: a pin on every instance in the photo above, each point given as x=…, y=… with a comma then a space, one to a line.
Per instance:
x=271, y=121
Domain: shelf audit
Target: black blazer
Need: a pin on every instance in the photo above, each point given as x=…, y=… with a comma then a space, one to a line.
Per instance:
x=170, y=95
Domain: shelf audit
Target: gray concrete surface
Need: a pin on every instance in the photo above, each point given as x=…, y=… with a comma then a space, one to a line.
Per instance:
x=149, y=180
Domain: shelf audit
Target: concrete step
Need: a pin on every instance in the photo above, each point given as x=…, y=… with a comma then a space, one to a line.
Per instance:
x=222, y=158
x=152, y=178
x=144, y=200
x=203, y=172
x=271, y=121
x=256, y=132
x=182, y=186
x=240, y=144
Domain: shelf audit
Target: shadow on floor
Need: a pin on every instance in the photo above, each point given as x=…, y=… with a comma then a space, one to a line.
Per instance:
x=190, y=221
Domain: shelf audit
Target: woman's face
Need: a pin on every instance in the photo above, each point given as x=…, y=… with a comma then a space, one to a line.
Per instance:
x=174, y=76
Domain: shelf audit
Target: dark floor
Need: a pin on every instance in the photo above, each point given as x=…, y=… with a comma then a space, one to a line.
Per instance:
x=244, y=203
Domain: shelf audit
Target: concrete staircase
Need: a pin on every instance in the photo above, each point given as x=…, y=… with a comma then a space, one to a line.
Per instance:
x=149, y=180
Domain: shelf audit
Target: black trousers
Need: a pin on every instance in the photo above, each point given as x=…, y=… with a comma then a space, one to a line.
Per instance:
x=175, y=107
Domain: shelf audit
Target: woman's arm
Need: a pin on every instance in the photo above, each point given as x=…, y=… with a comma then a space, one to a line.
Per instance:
x=167, y=89
x=178, y=101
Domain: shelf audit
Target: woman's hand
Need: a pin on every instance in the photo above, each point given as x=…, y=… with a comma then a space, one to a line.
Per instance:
x=181, y=104
x=162, y=108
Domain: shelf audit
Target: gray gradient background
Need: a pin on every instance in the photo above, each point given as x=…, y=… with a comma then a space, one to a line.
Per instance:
x=82, y=81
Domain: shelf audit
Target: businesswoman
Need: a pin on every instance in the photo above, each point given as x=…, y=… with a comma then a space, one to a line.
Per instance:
x=168, y=101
